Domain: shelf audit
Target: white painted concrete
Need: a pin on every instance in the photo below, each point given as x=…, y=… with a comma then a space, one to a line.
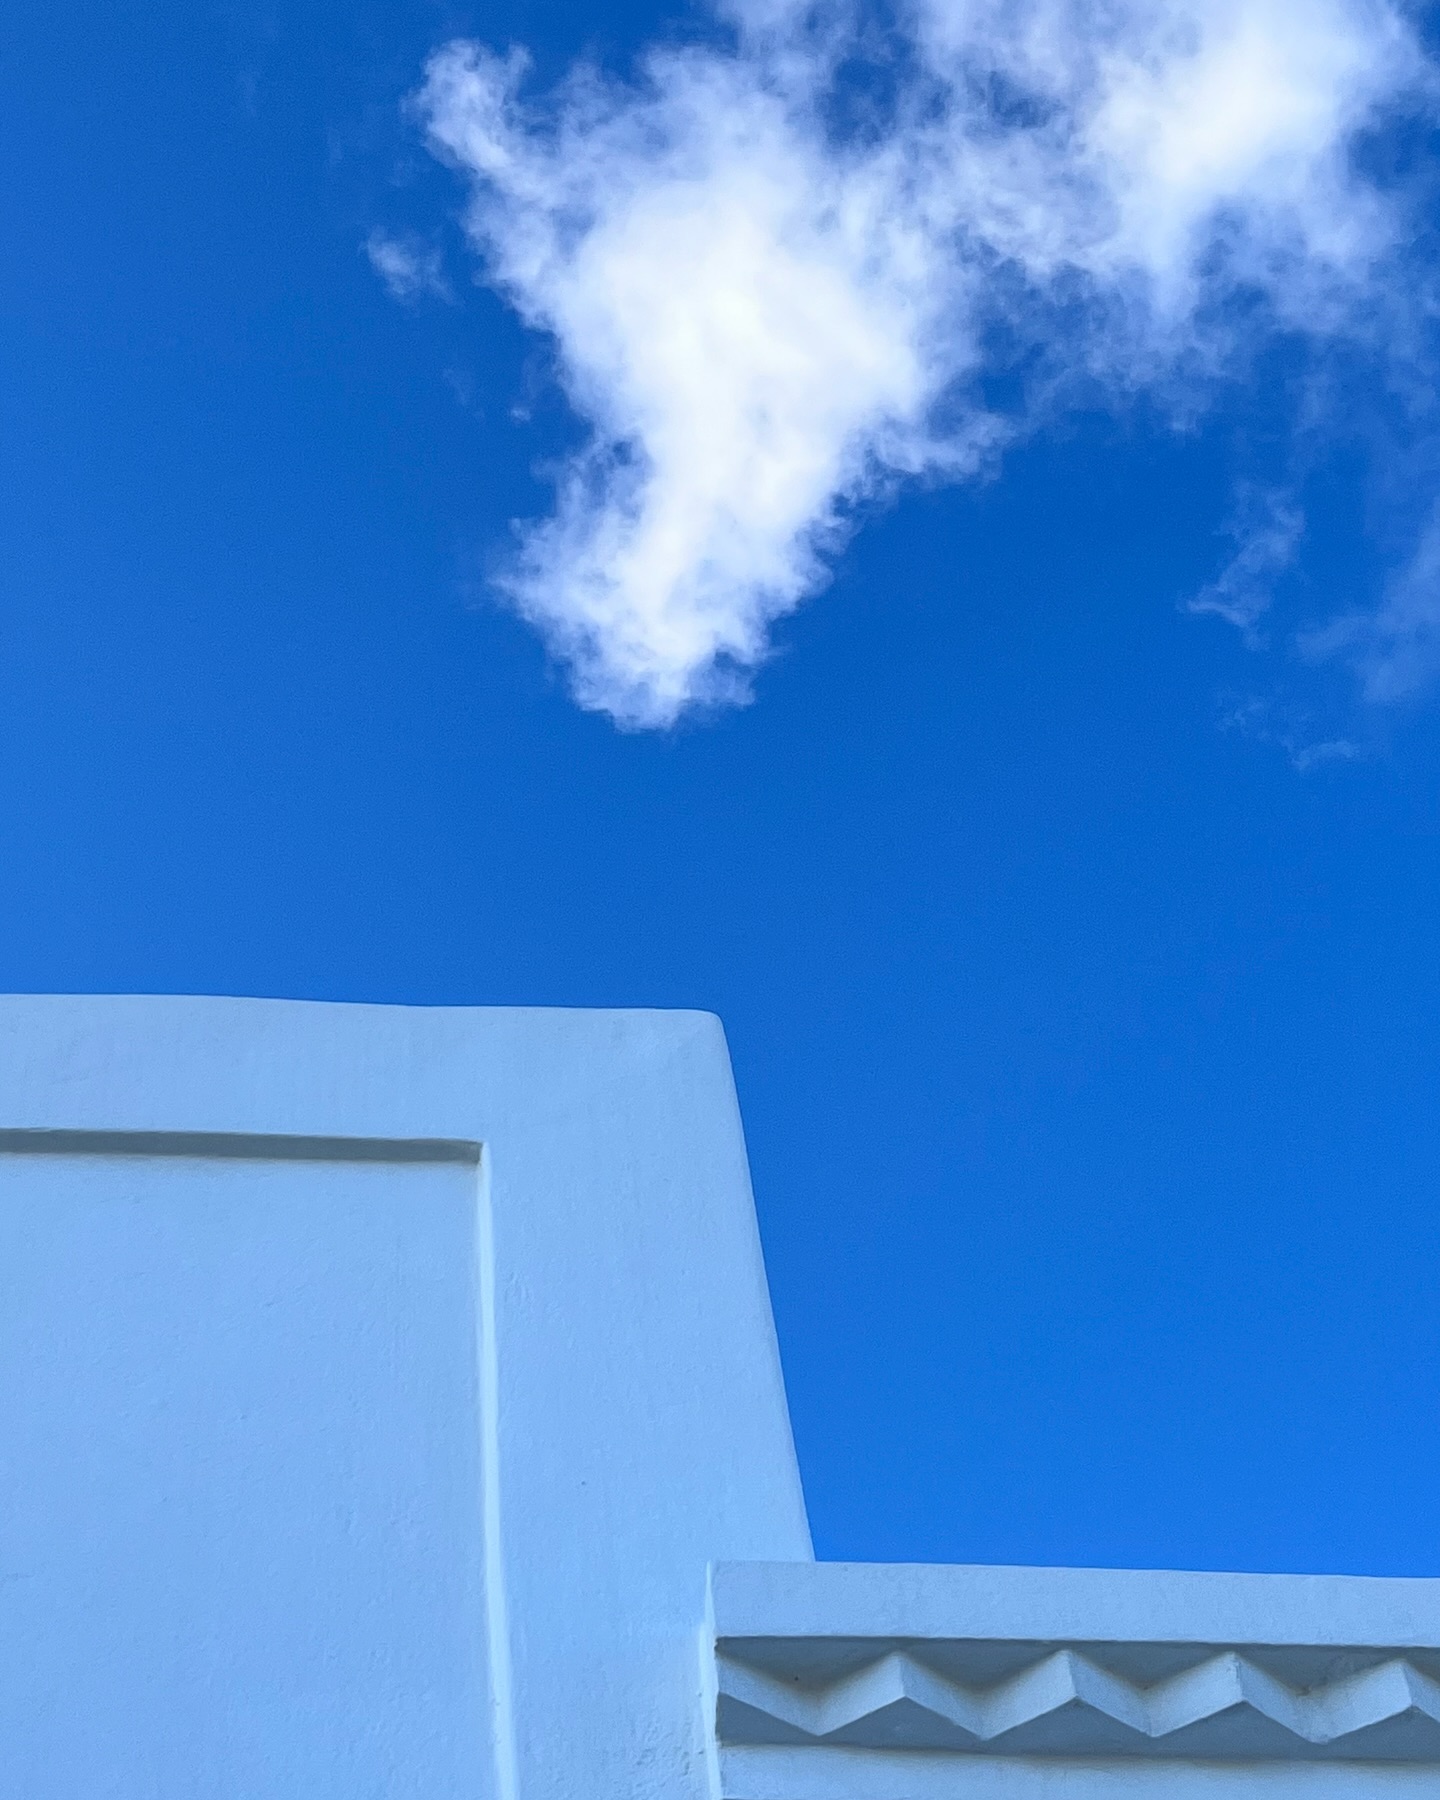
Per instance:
x=902, y=1682
x=917, y=1775
x=956, y=1601
x=377, y=1385
x=365, y=1469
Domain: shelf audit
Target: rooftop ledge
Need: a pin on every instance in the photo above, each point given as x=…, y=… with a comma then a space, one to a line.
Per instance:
x=872, y=1681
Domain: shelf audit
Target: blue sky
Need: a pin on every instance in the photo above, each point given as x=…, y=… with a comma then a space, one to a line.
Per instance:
x=1077, y=948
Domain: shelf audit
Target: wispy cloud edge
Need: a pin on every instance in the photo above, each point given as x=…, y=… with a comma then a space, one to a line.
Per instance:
x=765, y=318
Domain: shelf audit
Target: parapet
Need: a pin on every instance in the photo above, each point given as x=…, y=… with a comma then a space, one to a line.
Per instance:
x=378, y=1386
x=905, y=1682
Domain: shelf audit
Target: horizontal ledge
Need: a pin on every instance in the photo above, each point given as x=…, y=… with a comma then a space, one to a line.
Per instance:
x=1062, y=1666
x=913, y=1602
x=237, y=1146
x=770, y=1772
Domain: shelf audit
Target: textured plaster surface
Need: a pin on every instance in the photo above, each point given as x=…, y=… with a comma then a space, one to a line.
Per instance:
x=376, y=1386
x=373, y=1440
x=898, y=1682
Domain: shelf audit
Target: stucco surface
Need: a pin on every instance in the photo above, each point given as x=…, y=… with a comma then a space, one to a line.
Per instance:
x=362, y=1472
x=899, y=1682
x=377, y=1386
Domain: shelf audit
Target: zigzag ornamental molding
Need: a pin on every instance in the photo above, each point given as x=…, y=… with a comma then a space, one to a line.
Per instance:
x=1158, y=1700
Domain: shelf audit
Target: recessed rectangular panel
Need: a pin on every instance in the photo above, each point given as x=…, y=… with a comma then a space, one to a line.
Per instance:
x=240, y=1487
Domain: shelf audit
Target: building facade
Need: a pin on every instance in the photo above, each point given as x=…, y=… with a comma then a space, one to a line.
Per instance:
x=390, y=1407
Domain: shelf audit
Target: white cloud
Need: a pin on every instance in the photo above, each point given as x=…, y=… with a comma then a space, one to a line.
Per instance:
x=1266, y=530
x=409, y=268
x=765, y=318
x=1394, y=650
x=1292, y=731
